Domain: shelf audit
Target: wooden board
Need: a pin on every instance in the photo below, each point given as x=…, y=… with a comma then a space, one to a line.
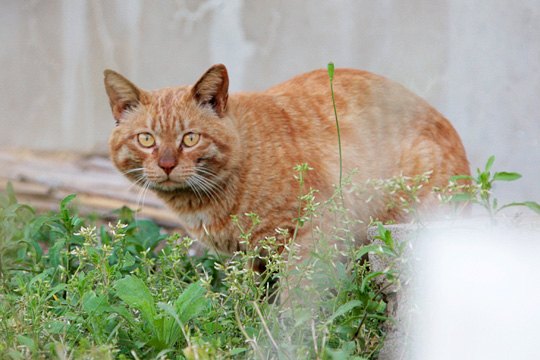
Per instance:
x=42, y=179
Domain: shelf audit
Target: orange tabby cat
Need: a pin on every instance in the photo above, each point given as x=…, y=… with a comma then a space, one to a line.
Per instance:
x=209, y=155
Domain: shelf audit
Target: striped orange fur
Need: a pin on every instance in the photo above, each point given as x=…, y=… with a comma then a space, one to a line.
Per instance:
x=213, y=155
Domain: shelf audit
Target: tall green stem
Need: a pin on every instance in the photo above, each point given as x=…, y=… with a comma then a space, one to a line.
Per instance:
x=331, y=76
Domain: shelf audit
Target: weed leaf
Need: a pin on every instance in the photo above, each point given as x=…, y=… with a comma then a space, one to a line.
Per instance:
x=534, y=206
x=369, y=277
x=461, y=197
x=343, y=309
x=171, y=325
x=506, y=176
x=123, y=312
x=27, y=341
x=134, y=292
x=191, y=302
x=461, y=177
x=366, y=249
x=489, y=163
x=94, y=305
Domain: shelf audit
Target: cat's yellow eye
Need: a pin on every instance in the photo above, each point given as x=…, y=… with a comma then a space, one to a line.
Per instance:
x=146, y=140
x=191, y=139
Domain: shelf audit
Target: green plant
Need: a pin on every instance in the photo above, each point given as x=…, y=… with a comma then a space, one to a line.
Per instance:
x=14, y=246
x=478, y=189
x=331, y=77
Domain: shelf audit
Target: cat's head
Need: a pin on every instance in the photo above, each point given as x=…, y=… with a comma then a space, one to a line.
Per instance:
x=173, y=139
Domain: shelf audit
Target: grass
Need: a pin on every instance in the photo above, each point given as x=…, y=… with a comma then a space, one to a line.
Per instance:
x=104, y=293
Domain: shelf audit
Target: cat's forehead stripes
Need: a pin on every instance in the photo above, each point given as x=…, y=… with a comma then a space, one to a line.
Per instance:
x=165, y=114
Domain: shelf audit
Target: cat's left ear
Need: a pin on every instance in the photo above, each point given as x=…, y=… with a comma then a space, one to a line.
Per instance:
x=212, y=89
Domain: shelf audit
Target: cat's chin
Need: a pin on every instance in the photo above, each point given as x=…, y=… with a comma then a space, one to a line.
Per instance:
x=168, y=186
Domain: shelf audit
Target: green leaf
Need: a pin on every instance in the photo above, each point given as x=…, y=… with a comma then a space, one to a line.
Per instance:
x=55, y=252
x=381, y=306
x=171, y=326
x=16, y=355
x=129, y=262
x=94, y=305
x=134, y=292
x=370, y=276
x=385, y=235
x=64, y=203
x=343, y=309
x=461, y=197
x=56, y=327
x=461, y=177
x=534, y=206
x=55, y=290
x=27, y=341
x=191, y=302
x=489, y=163
x=366, y=249
x=237, y=351
x=123, y=312
x=169, y=310
x=104, y=235
x=506, y=176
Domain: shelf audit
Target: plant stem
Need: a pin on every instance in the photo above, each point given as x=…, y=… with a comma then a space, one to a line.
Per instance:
x=331, y=76
x=249, y=340
x=272, y=341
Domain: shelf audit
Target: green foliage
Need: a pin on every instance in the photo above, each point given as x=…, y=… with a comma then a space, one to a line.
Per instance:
x=13, y=244
x=86, y=292
x=478, y=189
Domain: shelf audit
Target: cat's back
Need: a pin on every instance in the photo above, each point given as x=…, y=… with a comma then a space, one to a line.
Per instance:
x=356, y=91
x=319, y=81
x=377, y=116
x=349, y=83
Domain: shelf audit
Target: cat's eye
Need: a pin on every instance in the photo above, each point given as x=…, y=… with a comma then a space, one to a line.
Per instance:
x=191, y=139
x=146, y=140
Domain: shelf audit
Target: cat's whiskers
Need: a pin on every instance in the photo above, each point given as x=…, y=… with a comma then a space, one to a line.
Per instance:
x=139, y=177
x=139, y=180
x=209, y=187
x=213, y=178
x=133, y=170
x=193, y=186
x=196, y=183
x=142, y=195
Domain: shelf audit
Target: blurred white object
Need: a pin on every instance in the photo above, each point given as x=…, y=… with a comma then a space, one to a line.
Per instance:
x=476, y=293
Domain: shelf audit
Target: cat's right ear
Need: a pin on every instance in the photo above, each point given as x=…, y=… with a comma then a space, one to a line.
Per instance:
x=123, y=95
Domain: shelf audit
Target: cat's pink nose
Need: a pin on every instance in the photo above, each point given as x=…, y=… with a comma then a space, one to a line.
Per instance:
x=167, y=165
x=167, y=160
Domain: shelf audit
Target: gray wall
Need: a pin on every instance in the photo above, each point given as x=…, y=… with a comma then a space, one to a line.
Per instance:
x=478, y=62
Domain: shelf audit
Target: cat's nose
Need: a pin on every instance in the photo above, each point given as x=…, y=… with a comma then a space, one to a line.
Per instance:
x=167, y=163
x=167, y=166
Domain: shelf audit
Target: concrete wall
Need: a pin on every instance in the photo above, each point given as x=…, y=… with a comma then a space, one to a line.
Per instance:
x=478, y=62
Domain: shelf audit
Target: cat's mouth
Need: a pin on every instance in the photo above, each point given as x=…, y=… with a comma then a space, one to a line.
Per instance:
x=169, y=185
x=201, y=182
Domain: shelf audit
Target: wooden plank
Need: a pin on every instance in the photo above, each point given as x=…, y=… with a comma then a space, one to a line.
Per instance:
x=43, y=179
